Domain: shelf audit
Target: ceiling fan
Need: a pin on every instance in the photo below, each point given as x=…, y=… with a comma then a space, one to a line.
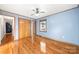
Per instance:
x=37, y=11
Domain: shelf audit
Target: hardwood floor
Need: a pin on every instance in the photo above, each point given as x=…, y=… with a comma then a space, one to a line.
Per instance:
x=7, y=38
x=40, y=45
x=48, y=46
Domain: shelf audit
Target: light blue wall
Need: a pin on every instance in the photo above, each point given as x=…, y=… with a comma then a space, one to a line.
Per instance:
x=63, y=26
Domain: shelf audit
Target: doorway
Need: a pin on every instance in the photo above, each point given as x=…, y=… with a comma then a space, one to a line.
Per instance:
x=8, y=29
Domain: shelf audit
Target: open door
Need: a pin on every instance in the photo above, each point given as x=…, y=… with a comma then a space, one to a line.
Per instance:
x=24, y=28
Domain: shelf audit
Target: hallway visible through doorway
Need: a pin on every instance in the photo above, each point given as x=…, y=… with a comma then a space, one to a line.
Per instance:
x=8, y=28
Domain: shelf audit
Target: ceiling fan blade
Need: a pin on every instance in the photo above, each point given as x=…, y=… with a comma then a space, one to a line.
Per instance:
x=32, y=14
x=42, y=12
x=33, y=10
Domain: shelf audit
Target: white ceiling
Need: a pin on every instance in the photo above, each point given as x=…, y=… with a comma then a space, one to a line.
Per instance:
x=26, y=9
x=8, y=19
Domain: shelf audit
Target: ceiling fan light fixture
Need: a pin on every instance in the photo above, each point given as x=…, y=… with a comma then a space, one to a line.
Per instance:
x=36, y=14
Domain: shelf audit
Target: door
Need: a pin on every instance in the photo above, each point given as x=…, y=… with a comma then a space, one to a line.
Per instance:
x=24, y=28
x=27, y=28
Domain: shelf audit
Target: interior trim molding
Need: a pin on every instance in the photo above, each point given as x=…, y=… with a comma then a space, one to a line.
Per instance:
x=52, y=39
x=16, y=14
x=59, y=12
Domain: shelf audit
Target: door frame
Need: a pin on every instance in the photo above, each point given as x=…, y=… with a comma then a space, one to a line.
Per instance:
x=13, y=26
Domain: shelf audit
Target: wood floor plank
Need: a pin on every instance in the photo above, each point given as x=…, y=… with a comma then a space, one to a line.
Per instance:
x=25, y=46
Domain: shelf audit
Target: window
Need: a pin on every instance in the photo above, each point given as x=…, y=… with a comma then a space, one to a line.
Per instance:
x=43, y=25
